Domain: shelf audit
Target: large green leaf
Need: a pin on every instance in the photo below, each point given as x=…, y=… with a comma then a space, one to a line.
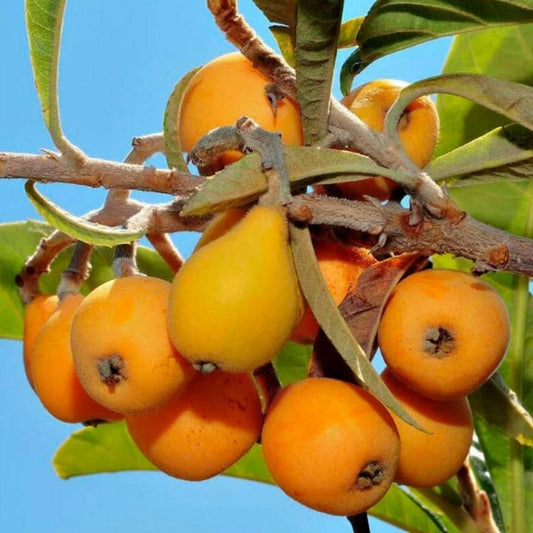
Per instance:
x=243, y=182
x=19, y=240
x=503, y=153
x=510, y=99
x=44, y=22
x=505, y=53
x=109, y=448
x=393, y=25
x=405, y=510
x=317, y=32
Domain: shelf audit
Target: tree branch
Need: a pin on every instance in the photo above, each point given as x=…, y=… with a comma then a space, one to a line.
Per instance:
x=490, y=248
x=97, y=173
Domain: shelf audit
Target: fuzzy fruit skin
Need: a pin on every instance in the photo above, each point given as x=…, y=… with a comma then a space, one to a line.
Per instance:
x=418, y=130
x=236, y=300
x=36, y=313
x=319, y=435
x=226, y=89
x=430, y=459
x=127, y=318
x=465, y=307
x=205, y=430
x=341, y=267
x=54, y=378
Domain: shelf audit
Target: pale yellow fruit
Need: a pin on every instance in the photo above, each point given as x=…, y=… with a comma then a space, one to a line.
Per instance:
x=235, y=302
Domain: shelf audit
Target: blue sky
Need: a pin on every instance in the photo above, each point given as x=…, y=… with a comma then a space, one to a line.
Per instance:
x=119, y=63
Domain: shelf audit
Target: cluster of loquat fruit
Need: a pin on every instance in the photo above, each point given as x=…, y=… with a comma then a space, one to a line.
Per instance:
x=176, y=360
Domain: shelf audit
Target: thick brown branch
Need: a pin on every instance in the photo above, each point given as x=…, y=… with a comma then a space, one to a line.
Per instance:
x=490, y=248
x=97, y=173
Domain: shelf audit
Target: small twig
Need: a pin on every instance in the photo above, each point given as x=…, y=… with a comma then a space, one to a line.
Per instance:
x=475, y=501
x=77, y=271
x=166, y=249
x=145, y=147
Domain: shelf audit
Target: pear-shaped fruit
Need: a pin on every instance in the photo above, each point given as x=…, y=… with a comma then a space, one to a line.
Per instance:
x=236, y=300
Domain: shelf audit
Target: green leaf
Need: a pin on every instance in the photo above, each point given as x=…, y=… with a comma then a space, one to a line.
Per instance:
x=44, y=21
x=393, y=25
x=292, y=362
x=109, y=448
x=173, y=151
x=106, y=448
x=499, y=406
x=317, y=31
x=513, y=100
x=243, y=182
x=78, y=228
x=325, y=310
x=503, y=153
x=446, y=503
x=19, y=240
x=279, y=11
x=405, y=510
x=505, y=53
x=481, y=471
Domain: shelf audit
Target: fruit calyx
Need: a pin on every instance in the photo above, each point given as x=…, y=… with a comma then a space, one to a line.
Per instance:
x=439, y=342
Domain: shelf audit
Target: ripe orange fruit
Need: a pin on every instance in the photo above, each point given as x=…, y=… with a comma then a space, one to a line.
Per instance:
x=443, y=333
x=121, y=348
x=418, y=129
x=36, y=313
x=430, y=459
x=223, y=91
x=341, y=267
x=205, y=430
x=330, y=445
x=54, y=378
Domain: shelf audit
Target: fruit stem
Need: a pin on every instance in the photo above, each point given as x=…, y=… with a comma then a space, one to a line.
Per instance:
x=359, y=523
x=77, y=271
x=125, y=263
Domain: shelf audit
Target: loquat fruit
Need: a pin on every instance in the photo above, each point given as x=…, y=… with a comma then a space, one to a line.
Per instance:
x=236, y=300
x=224, y=90
x=443, y=333
x=330, y=445
x=430, y=459
x=52, y=369
x=121, y=347
x=36, y=313
x=205, y=430
x=418, y=129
